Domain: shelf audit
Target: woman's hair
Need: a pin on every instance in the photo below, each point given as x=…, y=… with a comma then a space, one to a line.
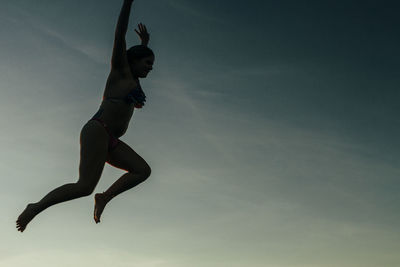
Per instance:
x=138, y=52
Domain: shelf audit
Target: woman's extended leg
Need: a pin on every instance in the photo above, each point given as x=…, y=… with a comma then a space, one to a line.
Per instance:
x=93, y=154
x=122, y=157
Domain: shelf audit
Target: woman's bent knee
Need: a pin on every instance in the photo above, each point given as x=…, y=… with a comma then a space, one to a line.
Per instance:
x=85, y=189
x=146, y=172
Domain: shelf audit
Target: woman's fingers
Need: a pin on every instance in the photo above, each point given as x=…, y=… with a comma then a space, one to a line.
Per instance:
x=142, y=32
x=142, y=27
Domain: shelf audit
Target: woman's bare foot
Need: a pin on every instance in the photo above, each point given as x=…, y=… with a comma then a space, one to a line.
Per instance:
x=26, y=216
x=100, y=201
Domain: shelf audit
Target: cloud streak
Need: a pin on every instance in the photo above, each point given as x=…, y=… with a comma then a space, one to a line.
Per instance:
x=82, y=48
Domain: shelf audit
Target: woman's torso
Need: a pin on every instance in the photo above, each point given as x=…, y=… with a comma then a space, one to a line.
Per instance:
x=117, y=112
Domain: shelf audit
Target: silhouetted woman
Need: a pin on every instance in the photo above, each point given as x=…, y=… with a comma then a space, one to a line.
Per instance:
x=99, y=141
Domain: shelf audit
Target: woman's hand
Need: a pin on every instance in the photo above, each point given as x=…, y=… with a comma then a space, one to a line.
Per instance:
x=143, y=34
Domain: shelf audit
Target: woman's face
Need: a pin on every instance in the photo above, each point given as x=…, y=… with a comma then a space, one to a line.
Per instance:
x=140, y=68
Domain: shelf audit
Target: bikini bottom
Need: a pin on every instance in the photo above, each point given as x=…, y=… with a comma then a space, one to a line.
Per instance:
x=112, y=141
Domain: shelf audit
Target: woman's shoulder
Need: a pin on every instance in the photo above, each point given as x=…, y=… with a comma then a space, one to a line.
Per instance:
x=119, y=74
x=119, y=84
x=118, y=78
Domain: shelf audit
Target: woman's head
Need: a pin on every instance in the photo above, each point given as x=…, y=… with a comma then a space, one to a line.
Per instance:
x=141, y=60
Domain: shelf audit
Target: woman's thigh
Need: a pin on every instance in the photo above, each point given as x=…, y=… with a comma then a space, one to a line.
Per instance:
x=93, y=153
x=125, y=158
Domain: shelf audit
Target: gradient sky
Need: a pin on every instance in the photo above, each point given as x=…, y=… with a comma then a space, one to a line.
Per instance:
x=271, y=127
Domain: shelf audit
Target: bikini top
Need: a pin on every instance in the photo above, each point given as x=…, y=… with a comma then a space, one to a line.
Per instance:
x=136, y=97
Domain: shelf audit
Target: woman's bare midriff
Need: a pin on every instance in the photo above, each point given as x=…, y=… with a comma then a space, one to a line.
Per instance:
x=117, y=113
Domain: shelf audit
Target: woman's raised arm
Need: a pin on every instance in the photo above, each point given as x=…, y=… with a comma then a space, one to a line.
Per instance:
x=119, y=59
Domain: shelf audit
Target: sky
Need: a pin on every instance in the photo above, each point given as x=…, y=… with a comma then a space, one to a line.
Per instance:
x=271, y=128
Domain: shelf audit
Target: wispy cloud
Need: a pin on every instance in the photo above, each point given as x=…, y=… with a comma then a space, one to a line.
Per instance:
x=81, y=47
x=178, y=92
